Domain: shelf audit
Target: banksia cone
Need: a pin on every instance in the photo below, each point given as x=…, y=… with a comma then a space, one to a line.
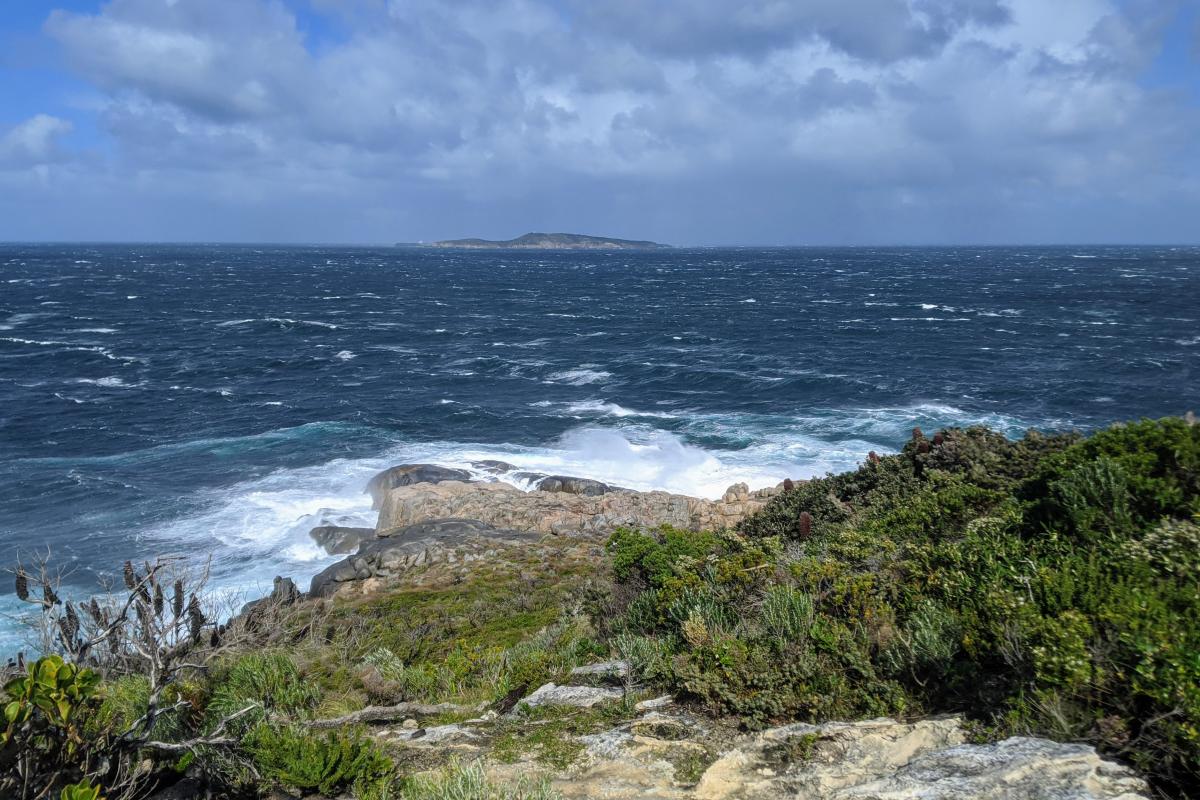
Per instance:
x=923, y=446
x=22, y=585
x=938, y=438
x=158, y=601
x=49, y=598
x=93, y=609
x=69, y=623
x=195, y=618
x=177, y=599
x=806, y=521
x=872, y=458
x=130, y=577
x=917, y=434
x=788, y=485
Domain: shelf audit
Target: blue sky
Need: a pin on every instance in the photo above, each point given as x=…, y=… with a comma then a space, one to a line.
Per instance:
x=698, y=122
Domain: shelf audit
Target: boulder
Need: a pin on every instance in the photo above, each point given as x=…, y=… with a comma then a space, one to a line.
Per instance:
x=402, y=549
x=336, y=540
x=572, y=485
x=408, y=474
x=493, y=467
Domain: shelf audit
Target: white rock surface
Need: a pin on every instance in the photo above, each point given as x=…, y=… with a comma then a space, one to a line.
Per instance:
x=579, y=696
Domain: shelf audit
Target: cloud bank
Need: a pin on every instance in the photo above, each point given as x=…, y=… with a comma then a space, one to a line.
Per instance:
x=691, y=121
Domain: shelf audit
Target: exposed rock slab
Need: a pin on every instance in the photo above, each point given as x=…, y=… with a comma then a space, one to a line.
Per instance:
x=578, y=696
x=438, y=541
x=926, y=760
x=563, y=513
x=1019, y=768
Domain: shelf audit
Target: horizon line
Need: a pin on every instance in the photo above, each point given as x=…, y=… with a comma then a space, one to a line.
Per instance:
x=420, y=245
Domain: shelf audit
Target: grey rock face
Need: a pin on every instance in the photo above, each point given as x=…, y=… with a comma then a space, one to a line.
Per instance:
x=284, y=592
x=336, y=540
x=571, y=485
x=409, y=474
x=506, y=506
x=430, y=542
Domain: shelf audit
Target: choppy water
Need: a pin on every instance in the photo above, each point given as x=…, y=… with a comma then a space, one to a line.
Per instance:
x=224, y=400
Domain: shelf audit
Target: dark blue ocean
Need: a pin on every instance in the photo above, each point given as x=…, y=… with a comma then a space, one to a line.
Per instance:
x=215, y=400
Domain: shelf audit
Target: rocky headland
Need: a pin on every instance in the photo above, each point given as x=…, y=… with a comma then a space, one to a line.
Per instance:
x=439, y=527
x=430, y=514
x=971, y=617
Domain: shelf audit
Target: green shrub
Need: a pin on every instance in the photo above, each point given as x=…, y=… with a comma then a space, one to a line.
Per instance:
x=468, y=782
x=1042, y=586
x=267, y=683
x=46, y=713
x=84, y=790
x=326, y=762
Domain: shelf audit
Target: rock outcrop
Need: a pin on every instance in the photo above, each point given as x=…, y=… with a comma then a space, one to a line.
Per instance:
x=384, y=558
x=337, y=540
x=680, y=756
x=409, y=474
x=572, y=485
x=560, y=512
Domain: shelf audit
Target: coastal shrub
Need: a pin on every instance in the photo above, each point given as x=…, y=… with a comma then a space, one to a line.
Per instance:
x=84, y=790
x=266, y=683
x=458, y=781
x=1046, y=585
x=46, y=711
x=327, y=762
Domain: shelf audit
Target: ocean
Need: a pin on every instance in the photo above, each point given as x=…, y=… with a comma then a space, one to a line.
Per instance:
x=220, y=401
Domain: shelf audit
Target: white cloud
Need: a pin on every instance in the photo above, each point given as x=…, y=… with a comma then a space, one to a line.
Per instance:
x=419, y=114
x=33, y=142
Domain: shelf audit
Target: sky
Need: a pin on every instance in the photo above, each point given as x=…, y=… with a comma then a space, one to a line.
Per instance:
x=693, y=122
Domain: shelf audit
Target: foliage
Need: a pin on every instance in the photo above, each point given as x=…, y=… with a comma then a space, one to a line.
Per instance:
x=45, y=711
x=84, y=790
x=1046, y=585
x=265, y=682
x=468, y=782
x=328, y=762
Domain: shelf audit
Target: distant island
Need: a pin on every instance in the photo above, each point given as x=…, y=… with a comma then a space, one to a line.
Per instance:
x=551, y=241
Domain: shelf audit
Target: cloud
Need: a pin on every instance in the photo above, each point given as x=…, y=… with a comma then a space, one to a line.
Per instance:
x=34, y=142
x=825, y=120
x=877, y=30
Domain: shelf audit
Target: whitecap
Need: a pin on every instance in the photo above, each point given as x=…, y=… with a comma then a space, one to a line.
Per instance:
x=111, y=382
x=345, y=355
x=578, y=377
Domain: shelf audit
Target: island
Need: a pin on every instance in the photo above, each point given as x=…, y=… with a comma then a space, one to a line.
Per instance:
x=551, y=241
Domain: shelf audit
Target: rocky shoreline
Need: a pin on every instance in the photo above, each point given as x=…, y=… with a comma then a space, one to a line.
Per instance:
x=438, y=525
x=431, y=514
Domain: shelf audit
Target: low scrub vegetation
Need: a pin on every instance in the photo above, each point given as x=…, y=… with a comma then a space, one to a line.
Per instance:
x=1043, y=586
